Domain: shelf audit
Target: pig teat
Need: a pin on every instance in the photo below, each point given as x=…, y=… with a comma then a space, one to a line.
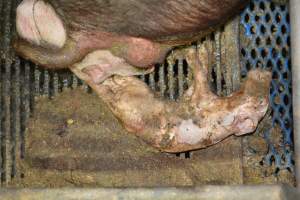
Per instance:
x=38, y=23
x=101, y=64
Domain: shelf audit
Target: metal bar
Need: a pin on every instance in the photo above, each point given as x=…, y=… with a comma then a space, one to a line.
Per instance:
x=1, y=28
x=69, y=80
x=1, y=117
x=7, y=28
x=64, y=82
x=190, y=76
x=171, y=81
x=143, y=78
x=46, y=83
x=262, y=192
x=229, y=44
x=16, y=101
x=152, y=81
x=75, y=82
x=37, y=77
x=233, y=69
x=32, y=89
x=7, y=95
x=1, y=14
x=236, y=66
x=295, y=45
x=180, y=77
x=162, y=83
x=1, y=91
x=16, y=119
x=7, y=123
x=55, y=83
x=27, y=90
x=25, y=105
x=218, y=69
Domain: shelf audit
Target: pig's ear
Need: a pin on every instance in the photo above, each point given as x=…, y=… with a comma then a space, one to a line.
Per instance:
x=102, y=64
x=39, y=24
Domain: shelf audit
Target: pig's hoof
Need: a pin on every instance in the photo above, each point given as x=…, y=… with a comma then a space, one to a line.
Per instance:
x=101, y=64
x=38, y=23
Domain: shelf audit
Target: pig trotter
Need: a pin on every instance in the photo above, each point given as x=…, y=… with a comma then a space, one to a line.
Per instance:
x=201, y=119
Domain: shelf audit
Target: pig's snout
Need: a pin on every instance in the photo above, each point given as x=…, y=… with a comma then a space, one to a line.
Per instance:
x=38, y=23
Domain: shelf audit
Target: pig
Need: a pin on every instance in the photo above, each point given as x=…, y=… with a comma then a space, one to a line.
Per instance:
x=107, y=37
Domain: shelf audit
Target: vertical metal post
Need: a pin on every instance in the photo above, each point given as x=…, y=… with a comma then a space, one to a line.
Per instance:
x=171, y=80
x=162, y=82
x=232, y=74
x=232, y=54
x=295, y=45
x=218, y=58
x=180, y=77
x=16, y=118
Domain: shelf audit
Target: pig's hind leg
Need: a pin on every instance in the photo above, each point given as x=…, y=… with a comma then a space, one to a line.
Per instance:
x=102, y=64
